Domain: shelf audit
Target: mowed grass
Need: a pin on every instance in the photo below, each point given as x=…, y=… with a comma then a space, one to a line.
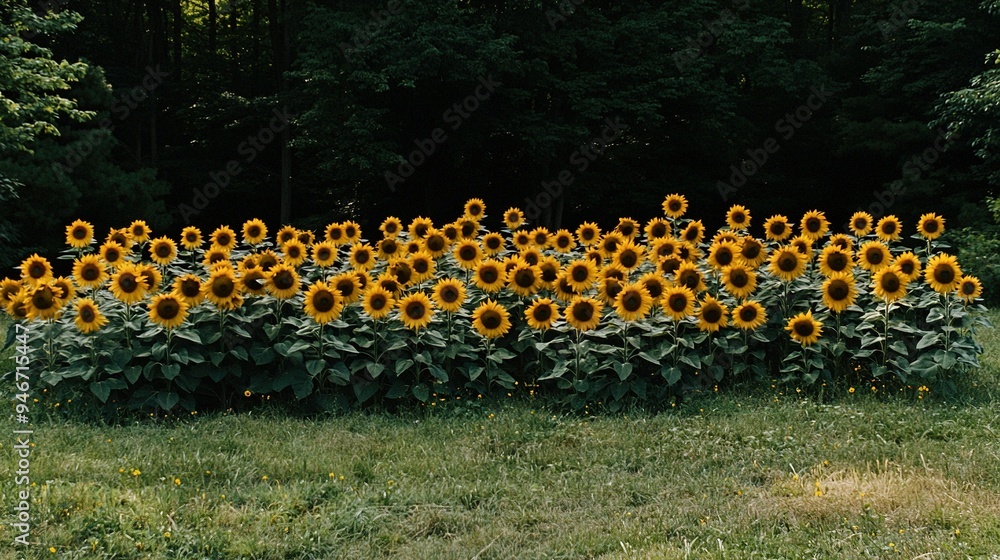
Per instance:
x=737, y=474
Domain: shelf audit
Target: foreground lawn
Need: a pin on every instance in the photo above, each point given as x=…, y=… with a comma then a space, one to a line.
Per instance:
x=729, y=475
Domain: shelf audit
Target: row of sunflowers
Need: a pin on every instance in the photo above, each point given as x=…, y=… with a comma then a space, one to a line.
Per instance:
x=636, y=313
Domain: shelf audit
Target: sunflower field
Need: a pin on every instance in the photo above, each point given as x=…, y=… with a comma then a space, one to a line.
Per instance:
x=637, y=314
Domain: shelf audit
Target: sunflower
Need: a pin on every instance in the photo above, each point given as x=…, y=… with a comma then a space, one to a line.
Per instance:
x=352, y=231
x=694, y=233
x=675, y=205
x=475, y=209
x=608, y=289
x=128, y=284
x=402, y=271
x=633, y=302
x=889, y=284
x=595, y=256
x=43, y=301
x=969, y=288
x=467, y=229
x=563, y=288
x=688, y=276
x=285, y=234
x=873, y=256
x=739, y=280
x=654, y=284
x=787, y=263
x=524, y=279
x=8, y=289
x=513, y=218
x=415, y=310
x=721, y=255
x=163, y=250
x=223, y=291
x=348, y=286
x=468, y=254
x=391, y=226
x=908, y=265
x=833, y=259
x=861, y=223
x=549, y=268
x=814, y=225
x=377, y=302
x=540, y=237
x=678, y=302
x=609, y=244
x=191, y=238
x=79, y=234
x=121, y=237
x=254, y=231
x=942, y=273
x=324, y=254
x=388, y=249
x=413, y=246
x=422, y=265
x=283, y=281
x=152, y=276
x=489, y=276
x=777, y=228
x=627, y=228
x=253, y=282
x=436, y=242
x=305, y=237
x=628, y=256
x=167, y=310
x=839, y=291
x=563, y=241
x=448, y=295
x=662, y=248
x=842, y=240
x=588, y=234
x=688, y=252
x=224, y=237
x=113, y=254
x=334, y=233
x=725, y=235
x=930, y=226
x=36, y=270
x=362, y=256
x=530, y=256
x=89, y=272
x=584, y=313
x=88, y=318
x=738, y=217
x=712, y=315
x=889, y=228
x=656, y=228
x=139, y=231
x=17, y=307
x=389, y=283
x=214, y=255
x=491, y=319
x=294, y=253
x=323, y=303
x=65, y=286
x=804, y=245
x=804, y=329
x=751, y=252
x=749, y=315
x=188, y=288
x=493, y=244
x=541, y=314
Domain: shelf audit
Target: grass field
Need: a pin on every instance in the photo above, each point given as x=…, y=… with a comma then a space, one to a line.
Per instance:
x=730, y=475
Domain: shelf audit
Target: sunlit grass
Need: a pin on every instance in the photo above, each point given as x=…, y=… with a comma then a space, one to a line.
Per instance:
x=724, y=475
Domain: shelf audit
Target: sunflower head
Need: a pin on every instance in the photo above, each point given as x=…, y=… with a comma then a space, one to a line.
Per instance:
x=162, y=250
x=449, y=295
x=712, y=315
x=352, y=231
x=8, y=289
x=675, y=205
x=44, y=301
x=890, y=285
x=348, y=285
x=588, y=234
x=969, y=288
x=874, y=256
x=402, y=271
x=633, y=302
x=861, y=223
x=541, y=314
x=657, y=228
x=842, y=240
x=36, y=270
x=475, y=209
x=377, y=302
x=167, y=310
x=804, y=329
x=694, y=233
x=79, y=234
x=738, y=217
x=224, y=237
x=334, y=233
x=363, y=256
x=223, y=290
x=751, y=252
x=834, y=259
x=283, y=282
x=749, y=315
x=584, y=313
x=188, y=288
x=787, y=263
x=191, y=238
x=908, y=265
x=524, y=279
x=139, y=231
x=491, y=320
x=563, y=241
x=391, y=227
x=323, y=303
x=942, y=273
x=678, y=302
x=540, y=237
x=253, y=281
x=889, y=228
x=688, y=276
x=254, y=231
x=388, y=249
x=627, y=228
x=468, y=254
x=120, y=236
x=128, y=284
x=324, y=254
x=739, y=280
x=513, y=218
x=654, y=284
x=814, y=225
x=415, y=311
x=777, y=228
x=839, y=291
x=721, y=255
x=930, y=226
x=493, y=244
x=88, y=317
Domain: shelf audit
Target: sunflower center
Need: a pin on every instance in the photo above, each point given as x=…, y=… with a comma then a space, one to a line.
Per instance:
x=907, y=267
x=658, y=230
x=323, y=254
x=674, y=205
x=712, y=313
x=390, y=227
x=837, y=262
x=87, y=314
x=449, y=294
x=777, y=229
x=890, y=282
x=223, y=239
x=489, y=274
x=541, y=239
x=323, y=301
x=632, y=301
x=677, y=302
x=628, y=258
x=293, y=251
x=739, y=278
x=389, y=247
x=80, y=233
x=691, y=234
x=435, y=243
x=377, y=302
x=626, y=229
x=345, y=287
x=190, y=288
x=542, y=313
x=162, y=250
x=524, y=278
x=583, y=311
x=420, y=266
x=612, y=287
x=335, y=234
x=562, y=241
x=654, y=288
x=253, y=231
x=739, y=217
x=874, y=256
x=128, y=283
x=415, y=310
x=748, y=314
x=90, y=272
x=119, y=239
x=350, y=231
x=838, y=290
x=191, y=237
x=403, y=273
x=813, y=225
x=467, y=253
x=889, y=228
x=468, y=228
x=223, y=286
x=931, y=226
x=513, y=217
x=944, y=274
x=36, y=270
x=588, y=234
x=669, y=266
x=860, y=224
x=168, y=309
x=724, y=256
x=43, y=298
x=267, y=261
x=611, y=245
x=968, y=288
x=689, y=279
x=803, y=328
x=788, y=262
x=389, y=285
x=491, y=319
x=20, y=310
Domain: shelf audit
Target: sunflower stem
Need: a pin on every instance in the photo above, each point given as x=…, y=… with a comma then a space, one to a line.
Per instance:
x=885, y=348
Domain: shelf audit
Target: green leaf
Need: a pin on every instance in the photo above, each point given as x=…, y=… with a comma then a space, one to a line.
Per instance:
x=375, y=369
x=365, y=390
x=170, y=371
x=315, y=367
x=623, y=370
x=167, y=399
x=929, y=339
x=403, y=365
x=422, y=392
x=438, y=372
x=670, y=374
x=262, y=355
x=132, y=374
x=188, y=334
